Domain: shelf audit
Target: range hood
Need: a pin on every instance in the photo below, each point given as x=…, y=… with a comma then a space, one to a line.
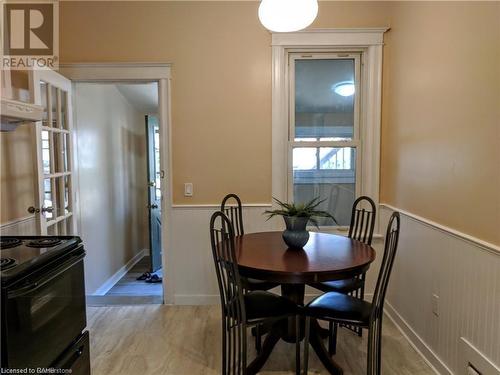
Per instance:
x=16, y=112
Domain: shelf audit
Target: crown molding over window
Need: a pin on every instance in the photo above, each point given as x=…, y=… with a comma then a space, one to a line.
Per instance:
x=367, y=41
x=331, y=37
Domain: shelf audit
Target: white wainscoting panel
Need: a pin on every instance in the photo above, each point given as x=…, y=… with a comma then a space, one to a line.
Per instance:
x=23, y=227
x=466, y=277
x=194, y=275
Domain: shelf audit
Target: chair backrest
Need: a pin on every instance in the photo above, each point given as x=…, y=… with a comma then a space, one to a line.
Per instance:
x=363, y=220
x=234, y=212
x=391, y=245
x=231, y=295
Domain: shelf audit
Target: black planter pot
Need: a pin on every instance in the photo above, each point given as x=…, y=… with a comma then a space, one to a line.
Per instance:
x=295, y=234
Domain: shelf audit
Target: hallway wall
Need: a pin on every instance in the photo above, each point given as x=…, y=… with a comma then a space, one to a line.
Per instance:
x=113, y=220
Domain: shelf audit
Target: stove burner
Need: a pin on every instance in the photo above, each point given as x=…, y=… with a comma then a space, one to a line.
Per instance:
x=8, y=242
x=44, y=242
x=6, y=263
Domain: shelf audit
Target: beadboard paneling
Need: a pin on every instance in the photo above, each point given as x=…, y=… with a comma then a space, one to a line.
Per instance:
x=464, y=275
x=193, y=278
x=22, y=227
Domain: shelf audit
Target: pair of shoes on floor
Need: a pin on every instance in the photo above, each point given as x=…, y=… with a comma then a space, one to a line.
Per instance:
x=150, y=278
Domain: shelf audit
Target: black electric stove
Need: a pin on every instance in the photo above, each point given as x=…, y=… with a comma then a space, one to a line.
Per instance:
x=22, y=255
x=43, y=304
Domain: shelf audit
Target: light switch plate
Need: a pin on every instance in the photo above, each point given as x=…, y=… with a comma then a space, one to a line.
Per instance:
x=188, y=189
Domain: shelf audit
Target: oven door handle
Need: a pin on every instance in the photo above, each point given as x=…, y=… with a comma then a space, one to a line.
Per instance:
x=17, y=292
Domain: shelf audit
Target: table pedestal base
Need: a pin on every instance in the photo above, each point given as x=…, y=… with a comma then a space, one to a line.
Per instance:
x=286, y=330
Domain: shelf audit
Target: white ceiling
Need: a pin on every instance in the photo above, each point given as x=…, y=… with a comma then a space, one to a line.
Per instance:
x=143, y=96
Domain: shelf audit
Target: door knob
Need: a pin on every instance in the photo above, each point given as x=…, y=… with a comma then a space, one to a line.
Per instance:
x=151, y=184
x=34, y=210
x=152, y=205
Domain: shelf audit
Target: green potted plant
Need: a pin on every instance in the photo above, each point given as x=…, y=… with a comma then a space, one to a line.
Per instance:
x=296, y=217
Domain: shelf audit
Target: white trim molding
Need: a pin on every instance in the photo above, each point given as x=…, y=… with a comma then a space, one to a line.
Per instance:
x=98, y=72
x=109, y=283
x=495, y=249
x=217, y=205
x=23, y=226
x=331, y=37
x=368, y=42
x=471, y=356
x=427, y=354
x=144, y=72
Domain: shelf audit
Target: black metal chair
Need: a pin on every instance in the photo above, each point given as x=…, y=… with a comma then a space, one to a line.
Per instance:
x=234, y=212
x=361, y=228
x=341, y=308
x=241, y=310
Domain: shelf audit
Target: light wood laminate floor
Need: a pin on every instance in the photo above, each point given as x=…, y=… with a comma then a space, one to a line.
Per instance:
x=128, y=285
x=185, y=340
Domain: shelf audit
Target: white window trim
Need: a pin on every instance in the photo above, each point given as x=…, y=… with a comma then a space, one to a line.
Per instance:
x=367, y=41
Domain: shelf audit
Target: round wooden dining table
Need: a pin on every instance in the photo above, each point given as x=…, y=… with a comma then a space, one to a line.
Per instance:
x=325, y=257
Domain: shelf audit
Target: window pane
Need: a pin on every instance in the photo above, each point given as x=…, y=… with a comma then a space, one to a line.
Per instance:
x=47, y=196
x=66, y=195
x=53, y=94
x=335, y=158
x=157, y=164
x=65, y=152
x=63, y=109
x=43, y=94
x=46, y=151
x=58, y=162
x=330, y=175
x=304, y=158
x=324, y=99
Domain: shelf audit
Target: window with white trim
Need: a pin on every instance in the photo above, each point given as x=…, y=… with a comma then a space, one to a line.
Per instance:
x=326, y=142
x=324, y=132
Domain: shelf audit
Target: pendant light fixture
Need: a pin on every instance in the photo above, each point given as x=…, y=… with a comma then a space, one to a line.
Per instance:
x=287, y=15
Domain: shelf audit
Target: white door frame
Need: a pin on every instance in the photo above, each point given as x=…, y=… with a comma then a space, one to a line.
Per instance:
x=142, y=72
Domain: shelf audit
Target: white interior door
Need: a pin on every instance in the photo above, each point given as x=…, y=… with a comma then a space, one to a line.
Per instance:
x=54, y=159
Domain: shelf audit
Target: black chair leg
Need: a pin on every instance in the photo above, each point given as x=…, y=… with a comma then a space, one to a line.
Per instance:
x=258, y=338
x=379, y=347
x=297, y=344
x=332, y=338
x=374, y=348
x=306, y=344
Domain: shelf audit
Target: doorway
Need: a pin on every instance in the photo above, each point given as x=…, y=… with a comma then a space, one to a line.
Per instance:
x=118, y=163
x=159, y=73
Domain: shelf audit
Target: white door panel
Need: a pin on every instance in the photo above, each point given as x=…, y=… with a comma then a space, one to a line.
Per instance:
x=54, y=169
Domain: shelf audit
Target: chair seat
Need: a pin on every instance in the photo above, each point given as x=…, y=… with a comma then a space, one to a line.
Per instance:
x=254, y=284
x=341, y=286
x=261, y=305
x=340, y=308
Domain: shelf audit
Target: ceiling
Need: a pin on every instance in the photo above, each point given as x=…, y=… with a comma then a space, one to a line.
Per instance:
x=143, y=96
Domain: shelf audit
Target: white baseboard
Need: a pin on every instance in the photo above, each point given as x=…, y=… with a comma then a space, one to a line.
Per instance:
x=437, y=365
x=109, y=283
x=472, y=356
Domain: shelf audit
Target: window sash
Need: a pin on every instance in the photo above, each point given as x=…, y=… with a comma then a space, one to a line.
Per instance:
x=355, y=142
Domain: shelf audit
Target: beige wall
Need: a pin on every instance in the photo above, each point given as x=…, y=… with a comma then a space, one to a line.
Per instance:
x=113, y=218
x=441, y=115
x=440, y=152
x=440, y=146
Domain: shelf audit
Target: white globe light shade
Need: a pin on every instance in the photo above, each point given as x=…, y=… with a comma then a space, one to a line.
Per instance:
x=287, y=15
